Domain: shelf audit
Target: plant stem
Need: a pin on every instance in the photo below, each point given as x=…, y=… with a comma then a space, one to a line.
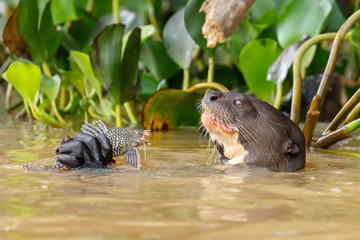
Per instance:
x=7, y=11
x=5, y=64
x=94, y=115
x=130, y=113
x=71, y=99
x=296, y=97
x=28, y=113
x=118, y=115
x=8, y=95
x=309, y=127
x=15, y=105
x=351, y=154
x=33, y=111
x=343, y=112
x=112, y=113
x=279, y=90
x=46, y=68
x=89, y=6
x=324, y=84
x=352, y=115
x=352, y=126
x=86, y=117
x=62, y=97
x=331, y=139
x=115, y=11
x=338, y=135
x=153, y=19
x=56, y=112
x=213, y=85
x=20, y=113
x=210, y=76
x=186, y=78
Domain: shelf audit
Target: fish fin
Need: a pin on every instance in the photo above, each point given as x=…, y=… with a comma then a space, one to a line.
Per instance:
x=132, y=156
x=92, y=130
x=101, y=125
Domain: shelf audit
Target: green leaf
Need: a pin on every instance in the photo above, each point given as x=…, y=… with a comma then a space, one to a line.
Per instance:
x=68, y=42
x=138, y=6
x=46, y=118
x=254, y=61
x=51, y=86
x=100, y=110
x=261, y=7
x=63, y=11
x=81, y=27
x=12, y=3
x=76, y=79
x=154, y=56
x=299, y=17
x=105, y=54
x=146, y=31
x=127, y=18
x=49, y=37
x=82, y=60
x=123, y=87
x=178, y=43
x=171, y=108
x=194, y=22
x=268, y=18
x=28, y=27
x=335, y=19
x=12, y=38
x=149, y=30
x=148, y=86
x=278, y=70
x=242, y=35
x=356, y=36
x=84, y=104
x=25, y=77
x=45, y=104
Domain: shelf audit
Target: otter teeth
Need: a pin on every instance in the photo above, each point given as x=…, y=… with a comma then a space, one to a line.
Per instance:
x=212, y=117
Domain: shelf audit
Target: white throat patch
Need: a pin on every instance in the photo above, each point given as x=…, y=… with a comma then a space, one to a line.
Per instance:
x=233, y=150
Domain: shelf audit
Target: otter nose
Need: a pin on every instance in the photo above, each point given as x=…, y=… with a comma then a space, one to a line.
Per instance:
x=212, y=96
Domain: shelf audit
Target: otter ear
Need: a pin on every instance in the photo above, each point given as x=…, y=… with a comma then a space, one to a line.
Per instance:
x=291, y=147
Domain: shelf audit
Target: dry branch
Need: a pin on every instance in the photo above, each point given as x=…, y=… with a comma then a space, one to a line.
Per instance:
x=222, y=17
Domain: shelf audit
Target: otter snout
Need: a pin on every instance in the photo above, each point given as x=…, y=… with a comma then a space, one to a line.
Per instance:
x=211, y=97
x=246, y=129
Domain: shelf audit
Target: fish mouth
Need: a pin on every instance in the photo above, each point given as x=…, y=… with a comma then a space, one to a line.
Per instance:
x=211, y=122
x=144, y=134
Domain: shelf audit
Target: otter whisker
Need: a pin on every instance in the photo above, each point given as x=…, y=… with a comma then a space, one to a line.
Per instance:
x=247, y=134
x=246, y=129
x=212, y=158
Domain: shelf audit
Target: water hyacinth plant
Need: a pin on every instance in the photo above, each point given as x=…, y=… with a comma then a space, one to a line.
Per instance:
x=107, y=60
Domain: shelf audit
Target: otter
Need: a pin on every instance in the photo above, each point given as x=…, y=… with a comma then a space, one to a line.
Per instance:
x=247, y=130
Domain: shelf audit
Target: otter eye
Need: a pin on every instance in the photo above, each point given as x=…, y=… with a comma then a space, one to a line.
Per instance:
x=240, y=103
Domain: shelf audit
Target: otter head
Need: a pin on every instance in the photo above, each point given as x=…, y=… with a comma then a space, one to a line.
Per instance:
x=247, y=130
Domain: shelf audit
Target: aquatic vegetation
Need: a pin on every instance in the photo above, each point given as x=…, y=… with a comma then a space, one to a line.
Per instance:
x=94, y=60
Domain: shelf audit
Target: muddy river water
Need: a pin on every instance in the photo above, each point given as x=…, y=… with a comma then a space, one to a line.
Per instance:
x=175, y=194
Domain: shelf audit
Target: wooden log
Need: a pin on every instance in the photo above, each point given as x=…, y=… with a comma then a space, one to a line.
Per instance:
x=222, y=18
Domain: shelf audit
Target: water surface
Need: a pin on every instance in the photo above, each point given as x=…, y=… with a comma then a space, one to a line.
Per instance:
x=175, y=194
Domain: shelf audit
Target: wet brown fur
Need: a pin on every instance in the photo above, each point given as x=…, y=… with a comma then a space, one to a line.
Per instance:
x=263, y=135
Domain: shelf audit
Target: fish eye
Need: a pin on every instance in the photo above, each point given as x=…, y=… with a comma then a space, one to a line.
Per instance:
x=240, y=103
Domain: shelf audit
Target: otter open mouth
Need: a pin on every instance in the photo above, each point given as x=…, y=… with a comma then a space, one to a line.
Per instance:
x=209, y=120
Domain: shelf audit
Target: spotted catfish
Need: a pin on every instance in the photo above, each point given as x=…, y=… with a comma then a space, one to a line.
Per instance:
x=98, y=145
